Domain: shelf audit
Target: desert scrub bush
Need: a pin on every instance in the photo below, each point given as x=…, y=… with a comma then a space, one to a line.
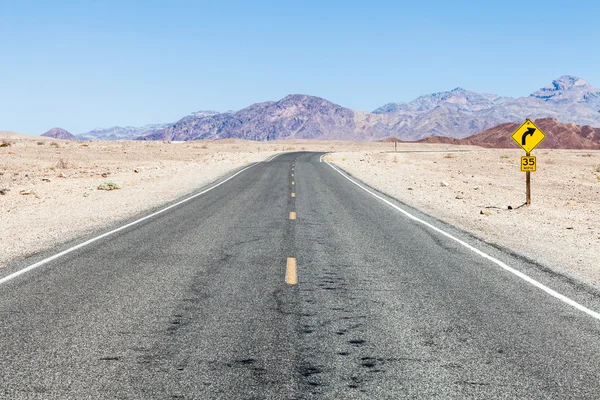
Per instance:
x=54, y=144
x=5, y=143
x=62, y=164
x=587, y=155
x=504, y=156
x=108, y=186
x=204, y=146
x=40, y=143
x=597, y=168
x=449, y=156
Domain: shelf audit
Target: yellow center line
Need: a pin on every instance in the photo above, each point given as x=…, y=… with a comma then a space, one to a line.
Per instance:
x=293, y=183
x=291, y=272
x=293, y=194
x=292, y=174
x=292, y=215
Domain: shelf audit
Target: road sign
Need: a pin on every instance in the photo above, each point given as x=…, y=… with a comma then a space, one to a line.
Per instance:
x=528, y=163
x=528, y=136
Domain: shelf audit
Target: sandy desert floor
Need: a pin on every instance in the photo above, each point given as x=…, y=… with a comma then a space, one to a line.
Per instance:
x=53, y=193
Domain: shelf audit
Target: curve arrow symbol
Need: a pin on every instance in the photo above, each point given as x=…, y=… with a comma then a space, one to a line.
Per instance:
x=530, y=132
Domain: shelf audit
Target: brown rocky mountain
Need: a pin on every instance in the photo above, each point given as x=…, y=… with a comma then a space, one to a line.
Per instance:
x=558, y=136
x=59, y=133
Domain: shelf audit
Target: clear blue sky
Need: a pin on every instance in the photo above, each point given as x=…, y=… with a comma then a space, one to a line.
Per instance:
x=85, y=64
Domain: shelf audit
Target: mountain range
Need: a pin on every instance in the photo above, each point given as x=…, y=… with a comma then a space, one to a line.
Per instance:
x=558, y=136
x=458, y=113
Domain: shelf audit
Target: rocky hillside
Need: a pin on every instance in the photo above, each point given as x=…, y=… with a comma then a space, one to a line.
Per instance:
x=460, y=113
x=558, y=136
x=132, y=132
x=120, y=132
x=59, y=133
x=293, y=117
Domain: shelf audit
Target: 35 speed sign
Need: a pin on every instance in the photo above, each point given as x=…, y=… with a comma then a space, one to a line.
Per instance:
x=528, y=164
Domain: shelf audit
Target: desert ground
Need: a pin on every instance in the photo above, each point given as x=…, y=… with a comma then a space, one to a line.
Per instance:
x=52, y=191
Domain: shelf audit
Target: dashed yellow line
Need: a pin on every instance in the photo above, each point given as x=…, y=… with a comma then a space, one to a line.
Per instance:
x=291, y=272
x=292, y=215
x=292, y=174
x=293, y=194
x=293, y=183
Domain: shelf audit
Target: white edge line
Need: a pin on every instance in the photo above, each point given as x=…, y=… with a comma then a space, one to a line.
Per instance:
x=273, y=157
x=521, y=275
x=321, y=158
x=80, y=245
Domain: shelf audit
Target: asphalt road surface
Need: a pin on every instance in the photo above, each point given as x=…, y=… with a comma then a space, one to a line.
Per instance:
x=201, y=302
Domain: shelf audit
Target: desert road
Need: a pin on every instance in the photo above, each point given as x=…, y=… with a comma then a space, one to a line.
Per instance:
x=290, y=280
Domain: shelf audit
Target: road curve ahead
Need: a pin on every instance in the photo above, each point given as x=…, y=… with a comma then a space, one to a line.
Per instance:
x=289, y=281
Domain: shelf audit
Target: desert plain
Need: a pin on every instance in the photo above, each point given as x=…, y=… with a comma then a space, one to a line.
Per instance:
x=54, y=191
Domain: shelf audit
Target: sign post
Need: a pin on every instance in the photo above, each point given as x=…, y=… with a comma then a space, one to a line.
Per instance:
x=528, y=136
x=528, y=185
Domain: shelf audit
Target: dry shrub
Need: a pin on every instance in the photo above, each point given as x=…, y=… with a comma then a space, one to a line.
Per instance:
x=449, y=155
x=40, y=143
x=6, y=143
x=504, y=156
x=597, y=168
x=54, y=144
x=62, y=164
x=108, y=186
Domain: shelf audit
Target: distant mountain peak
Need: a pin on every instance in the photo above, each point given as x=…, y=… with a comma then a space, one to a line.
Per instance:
x=456, y=98
x=204, y=113
x=566, y=82
x=59, y=133
x=567, y=86
x=301, y=98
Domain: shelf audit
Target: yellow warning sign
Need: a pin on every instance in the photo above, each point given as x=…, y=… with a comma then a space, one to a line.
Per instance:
x=528, y=136
x=528, y=163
